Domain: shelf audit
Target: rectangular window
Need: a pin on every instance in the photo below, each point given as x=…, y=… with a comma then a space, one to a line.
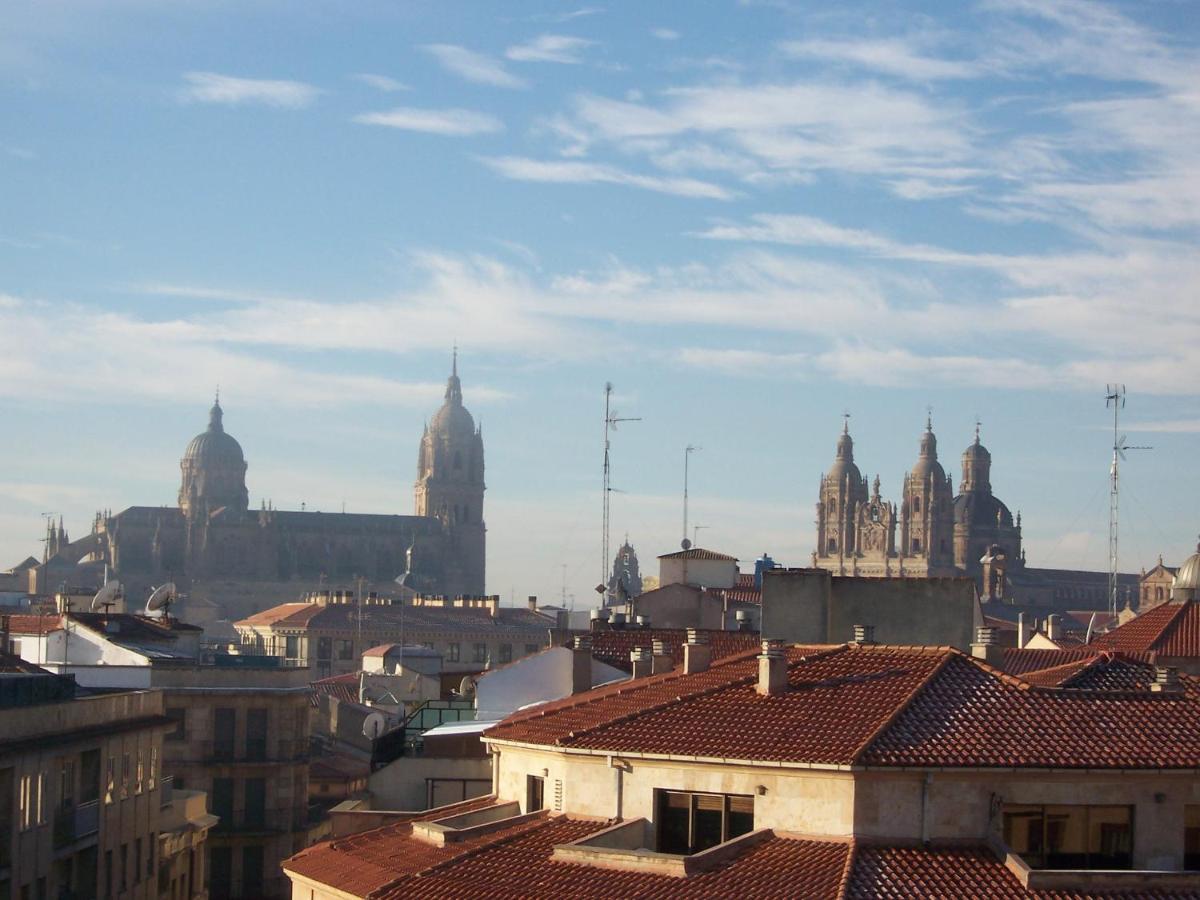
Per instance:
x=256, y=733
x=224, y=725
x=531, y=649
x=291, y=647
x=252, y=870
x=137, y=860
x=1071, y=837
x=110, y=779
x=220, y=871
x=481, y=653
x=688, y=823
x=255, y=815
x=140, y=774
x=126, y=773
x=506, y=653
x=152, y=780
x=25, y=802
x=123, y=883
x=1191, y=837
x=66, y=784
x=345, y=649
x=222, y=802
x=324, y=648
x=179, y=714
x=453, y=651
x=535, y=793
x=108, y=874
x=89, y=776
x=151, y=851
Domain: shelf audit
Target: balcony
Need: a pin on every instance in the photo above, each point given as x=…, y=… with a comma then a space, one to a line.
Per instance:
x=167, y=788
x=254, y=751
x=73, y=824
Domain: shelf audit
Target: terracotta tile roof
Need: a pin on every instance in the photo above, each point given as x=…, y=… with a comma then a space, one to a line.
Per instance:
x=372, y=860
x=1171, y=629
x=343, y=687
x=1018, y=662
x=27, y=624
x=612, y=646
x=699, y=553
x=839, y=698
x=876, y=705
x=388, y=617
x=918, y=874
x=1106, y=671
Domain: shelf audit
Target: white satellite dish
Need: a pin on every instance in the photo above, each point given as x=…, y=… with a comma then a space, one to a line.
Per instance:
x=161, y=597
x=106, y=597
x=373, y=726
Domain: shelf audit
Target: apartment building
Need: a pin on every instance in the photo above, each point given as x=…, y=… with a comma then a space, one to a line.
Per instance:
x=85, y=812
x=852, y=770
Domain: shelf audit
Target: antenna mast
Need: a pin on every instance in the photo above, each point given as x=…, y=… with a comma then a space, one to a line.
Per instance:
x=611, y=418
x=1115, y=398
x=687, y=453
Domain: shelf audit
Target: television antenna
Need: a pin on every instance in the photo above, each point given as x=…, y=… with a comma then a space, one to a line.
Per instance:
x=687, y=454
x=1114, y=397
x=696, y=533
x=611, y=418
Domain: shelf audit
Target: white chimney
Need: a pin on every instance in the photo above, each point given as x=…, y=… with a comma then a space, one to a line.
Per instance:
x=1054, y=627
x=1024, y=632
x=772, y=669
x=696, y=654
x=662, y=659
x=986, y=646
x=641, y=662
x=1166, y=680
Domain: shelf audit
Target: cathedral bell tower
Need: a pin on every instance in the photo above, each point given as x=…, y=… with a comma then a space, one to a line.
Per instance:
x=450, y=484
x=843, y=490
x=927, y=515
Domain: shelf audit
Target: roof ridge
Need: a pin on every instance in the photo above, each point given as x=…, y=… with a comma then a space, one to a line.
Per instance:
x=847, y=869
x=900, y=708
x=1170, y=625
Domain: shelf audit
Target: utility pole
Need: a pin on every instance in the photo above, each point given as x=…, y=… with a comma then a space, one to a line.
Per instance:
x=611, y=418
x=1115, y=398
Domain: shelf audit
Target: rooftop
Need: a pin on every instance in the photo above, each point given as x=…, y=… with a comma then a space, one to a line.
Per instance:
x=392, y=617
x=612, y=645
x=876, y=706
x=518, y=860
x=1170, y=629
x=698, y=553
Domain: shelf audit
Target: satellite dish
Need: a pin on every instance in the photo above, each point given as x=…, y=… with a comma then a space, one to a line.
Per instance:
x=161, y=598
x=685, y=544
x=466, y=687
x=373, y=726
x=106, y=597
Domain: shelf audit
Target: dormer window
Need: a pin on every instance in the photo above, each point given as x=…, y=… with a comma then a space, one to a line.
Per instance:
x=688, y=823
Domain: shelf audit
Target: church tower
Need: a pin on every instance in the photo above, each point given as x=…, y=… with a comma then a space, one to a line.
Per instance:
x=983, y=525
x=214, y=471
x=843, y=489
x=926, y=513
x=450, y=484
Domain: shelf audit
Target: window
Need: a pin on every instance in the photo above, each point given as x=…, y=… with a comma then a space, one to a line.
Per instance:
x=481, y=653
x=324, y=648
x=153, y=775
x=252, y=870
x=66, y=784
x=110, y=779
x=25, y=802
x=688, y=823
x=506, y=653
x=124, y=880
x=531, y=649
x=1191, y=837
x=832, y=545
x=150, y=852
x=535, y=793
x=222, y=802
x=453, y=651
x=220, y=871
x=126, y=773
x=256, y=733
x=916, y=504
x=141, y=772
x=137, y=861
x=291, y=646
x=1071, y=837
x=224, y=725
x=108, y=873
x=345, y=649
x=179, y=714
x=916, y=545
x=89, y=776
x=255, y=815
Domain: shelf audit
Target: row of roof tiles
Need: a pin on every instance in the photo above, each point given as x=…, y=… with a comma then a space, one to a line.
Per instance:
x=346, y=617
x=389, y=863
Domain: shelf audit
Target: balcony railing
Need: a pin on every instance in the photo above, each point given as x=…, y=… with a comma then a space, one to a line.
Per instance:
x=167, y=789
x=253, y=751
x=73, y=824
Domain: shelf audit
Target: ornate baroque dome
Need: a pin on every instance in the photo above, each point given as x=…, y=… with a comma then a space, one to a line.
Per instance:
x=1188, y=576
x=453, y=420
x=214, y=445
x=843, y=464
x=927, y=461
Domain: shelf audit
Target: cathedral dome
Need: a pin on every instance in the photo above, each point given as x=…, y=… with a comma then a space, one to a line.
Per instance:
x=927, y=462
x=214, y=445
x=982, y=510
x=453, y=420
x=1188, y=576
x=843, y=464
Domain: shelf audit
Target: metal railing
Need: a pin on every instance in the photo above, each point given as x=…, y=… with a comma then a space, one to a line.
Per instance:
x=74, y=823
x=167, y=789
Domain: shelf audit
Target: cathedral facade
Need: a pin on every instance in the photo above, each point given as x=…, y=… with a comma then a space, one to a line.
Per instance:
x=213, y=536
x=930, y=532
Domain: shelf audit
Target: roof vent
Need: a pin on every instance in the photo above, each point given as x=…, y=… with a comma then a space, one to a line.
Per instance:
x=641, y=662
x=985, y=635
x=662, y=657
x=1166, y=680
x=864, y=634
x=696, y=654
x=772, y=669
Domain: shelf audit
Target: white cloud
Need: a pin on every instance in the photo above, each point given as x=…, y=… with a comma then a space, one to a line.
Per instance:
x=381, y=82
x=210, y=87
x=568, y=172
x=550, y=48
x=474, y=67
x=895, y=56
x=665, y=34
x=450, y=122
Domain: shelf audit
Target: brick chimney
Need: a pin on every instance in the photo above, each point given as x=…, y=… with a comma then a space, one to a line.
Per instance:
x=987, y=647
x=641, y=662
x=581, y=665
x=772, y=669
x=696, y=655
x=662, y=659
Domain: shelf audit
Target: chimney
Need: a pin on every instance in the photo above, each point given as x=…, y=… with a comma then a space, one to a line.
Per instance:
x=533, y=603
x=864, y=634
x=641, y=662
x=742, y=618
x=662, y=659
x=1166, y=680
x=599, y=619
x=986, y=647
x=1023, y=631
x=1054, y=627
x=772, y=669
x=618, y=620
x=581, y=665
x=696, y=654
x=493, y=603
x=642, y=621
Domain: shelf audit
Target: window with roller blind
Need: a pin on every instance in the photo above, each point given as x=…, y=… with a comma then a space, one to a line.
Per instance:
x=688, y=822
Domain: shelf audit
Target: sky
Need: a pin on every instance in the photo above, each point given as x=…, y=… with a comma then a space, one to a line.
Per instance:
x=750, y=217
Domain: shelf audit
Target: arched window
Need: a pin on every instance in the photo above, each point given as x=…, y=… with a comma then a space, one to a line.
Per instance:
x=832, y=505
x=916, y=504
x=916, y=545
x=833, y=545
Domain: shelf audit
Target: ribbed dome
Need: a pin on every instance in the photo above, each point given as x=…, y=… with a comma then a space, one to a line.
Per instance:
x=453, y=420
x=976, y=452
x=981, y=509
x=843, y=464
x=214, y=445
x=927, y=461
x=1188, y=575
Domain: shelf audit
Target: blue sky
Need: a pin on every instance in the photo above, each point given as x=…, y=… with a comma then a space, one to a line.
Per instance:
x=749, y=216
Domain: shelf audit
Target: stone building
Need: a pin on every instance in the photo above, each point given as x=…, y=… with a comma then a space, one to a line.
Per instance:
x=218, y=548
